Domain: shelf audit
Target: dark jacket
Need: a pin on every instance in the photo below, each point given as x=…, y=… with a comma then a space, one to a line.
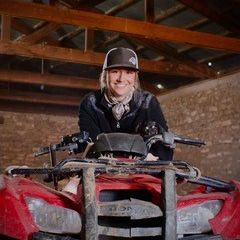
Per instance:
x=95, y=117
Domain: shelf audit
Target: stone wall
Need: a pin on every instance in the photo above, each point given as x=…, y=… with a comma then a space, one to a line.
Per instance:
x=23, y=133
x=208, y=110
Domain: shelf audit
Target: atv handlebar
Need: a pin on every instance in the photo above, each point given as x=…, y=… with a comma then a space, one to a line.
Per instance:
x=71, y=143
x=170, y=139
x=77, y=142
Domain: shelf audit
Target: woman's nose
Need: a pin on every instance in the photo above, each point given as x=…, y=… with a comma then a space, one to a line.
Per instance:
x=120, y=76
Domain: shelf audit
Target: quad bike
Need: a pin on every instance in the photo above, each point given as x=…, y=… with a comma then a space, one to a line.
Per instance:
x=119, y=195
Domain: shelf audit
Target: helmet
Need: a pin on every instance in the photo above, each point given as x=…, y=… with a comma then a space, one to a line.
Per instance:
x=121, y=57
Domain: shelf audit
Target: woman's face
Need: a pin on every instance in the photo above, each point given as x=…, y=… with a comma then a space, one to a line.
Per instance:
x=121, y=81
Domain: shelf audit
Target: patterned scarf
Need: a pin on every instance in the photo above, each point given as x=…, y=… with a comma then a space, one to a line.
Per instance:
x=118, y=108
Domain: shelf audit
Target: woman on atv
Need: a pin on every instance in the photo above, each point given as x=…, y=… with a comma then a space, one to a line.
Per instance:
x=120, y=105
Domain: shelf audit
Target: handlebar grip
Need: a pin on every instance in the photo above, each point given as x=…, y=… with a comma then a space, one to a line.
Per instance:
x=189, y=141
x=42, y=151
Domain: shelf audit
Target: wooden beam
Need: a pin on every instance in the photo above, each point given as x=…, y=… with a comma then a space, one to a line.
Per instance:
x=171, y=53
x=190, y=47
x=39, y=98
x=5, y=27
x=149, y=11
x=113, y=11
x=41, y=34
x=89, y=40
x=48, y=79
x=71, y=34
x=55, y=80
x=25, y=29
x=92, y=58
x=127, y=26
x=21, y=26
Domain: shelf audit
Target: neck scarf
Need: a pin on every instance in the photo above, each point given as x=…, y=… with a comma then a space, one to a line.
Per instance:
x=118, y=107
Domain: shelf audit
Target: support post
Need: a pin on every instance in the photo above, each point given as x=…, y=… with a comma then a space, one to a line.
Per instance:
x=169, y=202
x=90, y=206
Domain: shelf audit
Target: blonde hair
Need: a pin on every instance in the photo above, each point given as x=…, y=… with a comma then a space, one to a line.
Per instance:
x=103, y=80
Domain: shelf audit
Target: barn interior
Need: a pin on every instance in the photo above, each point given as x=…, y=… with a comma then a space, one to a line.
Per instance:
x=51, y=55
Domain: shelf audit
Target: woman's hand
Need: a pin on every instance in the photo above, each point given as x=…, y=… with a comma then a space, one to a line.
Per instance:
x=151, y=157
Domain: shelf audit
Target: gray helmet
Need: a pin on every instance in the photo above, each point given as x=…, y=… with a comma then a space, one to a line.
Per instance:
x=121, y=57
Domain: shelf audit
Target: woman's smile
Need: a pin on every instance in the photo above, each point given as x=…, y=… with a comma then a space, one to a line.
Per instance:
x=121, y=81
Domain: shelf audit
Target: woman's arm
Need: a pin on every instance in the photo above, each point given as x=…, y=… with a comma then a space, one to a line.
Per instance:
x=87, y=119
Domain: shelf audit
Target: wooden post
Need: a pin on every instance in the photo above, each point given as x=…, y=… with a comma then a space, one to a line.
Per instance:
x=90, y=221
x=170, y=215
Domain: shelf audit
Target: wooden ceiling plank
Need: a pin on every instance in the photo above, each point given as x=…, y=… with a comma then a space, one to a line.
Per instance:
x=71, y=34
x=39, y=98
x=48, y=79
x=215, y=57
x=196, y=24
x=5, y=27
x=126, y=26
x=109, y=41
x=202, y=7
x=80, y=4
x=120, y=7
x=169, y=12
x=92, y=58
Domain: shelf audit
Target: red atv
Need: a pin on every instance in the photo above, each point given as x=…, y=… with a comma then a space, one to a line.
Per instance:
x=119, y=196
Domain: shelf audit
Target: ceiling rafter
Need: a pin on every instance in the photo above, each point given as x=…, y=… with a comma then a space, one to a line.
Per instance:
x=113, y=11
x=48, y=79
x=43, y=29
x=170, y=12
x=205, y=9
x=44, y=98
x=5, y=27
x=171, y=53
x=215, y=57
x=160, y=17
x=149, y=11
x=127, y=26
x=41, y=34
x=93, y=58
x=80, y=4
x=190, y=47
x=120, y=7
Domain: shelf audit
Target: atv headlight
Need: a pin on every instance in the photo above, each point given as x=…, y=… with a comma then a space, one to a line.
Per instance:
x=53, y=219
x=194, y=219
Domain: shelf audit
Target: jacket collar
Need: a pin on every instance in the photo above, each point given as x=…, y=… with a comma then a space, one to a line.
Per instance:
x=132, y=103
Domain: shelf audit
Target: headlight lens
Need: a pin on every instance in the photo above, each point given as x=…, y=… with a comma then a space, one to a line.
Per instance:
x=194, y=219
x=53, y=219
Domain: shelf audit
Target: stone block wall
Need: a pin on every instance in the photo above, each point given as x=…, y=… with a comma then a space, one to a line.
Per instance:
x=21, y=134
x=208, y=110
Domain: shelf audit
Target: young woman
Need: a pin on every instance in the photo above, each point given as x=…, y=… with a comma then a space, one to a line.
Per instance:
x=120, y=105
